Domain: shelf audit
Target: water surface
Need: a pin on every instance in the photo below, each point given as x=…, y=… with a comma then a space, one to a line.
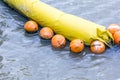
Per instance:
x=26, y=56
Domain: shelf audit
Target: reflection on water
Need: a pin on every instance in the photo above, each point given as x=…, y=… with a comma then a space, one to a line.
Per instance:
x=26, y=56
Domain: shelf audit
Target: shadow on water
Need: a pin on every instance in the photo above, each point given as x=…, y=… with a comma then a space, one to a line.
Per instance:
x=1, y=59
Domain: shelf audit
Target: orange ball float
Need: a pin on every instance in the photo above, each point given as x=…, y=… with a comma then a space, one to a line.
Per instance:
x=117, y=37
x=58, y=41
x=46, y=33
x=97, y=47
x=113, y=28
x=31, y=26
x=76, y=45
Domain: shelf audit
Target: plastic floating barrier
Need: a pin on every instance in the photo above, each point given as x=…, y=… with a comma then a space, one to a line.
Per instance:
x=70, y=26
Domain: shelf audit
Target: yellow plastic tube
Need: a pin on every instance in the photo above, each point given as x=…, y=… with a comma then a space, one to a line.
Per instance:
x=72, y=27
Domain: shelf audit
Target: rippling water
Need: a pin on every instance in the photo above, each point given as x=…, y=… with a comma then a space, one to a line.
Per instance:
x=25, y=56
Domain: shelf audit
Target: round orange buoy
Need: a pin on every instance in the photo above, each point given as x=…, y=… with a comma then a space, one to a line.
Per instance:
x=76, y=45
x=46, y=33
x=117, y=37
x=58, y=41
x=113, y=28
x=97, y=47
x=31, y=26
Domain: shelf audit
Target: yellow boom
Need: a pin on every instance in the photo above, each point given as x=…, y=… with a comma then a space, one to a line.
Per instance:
x=70, y=26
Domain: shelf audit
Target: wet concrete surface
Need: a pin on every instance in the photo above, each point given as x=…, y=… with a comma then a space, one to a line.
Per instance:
x=25, y=56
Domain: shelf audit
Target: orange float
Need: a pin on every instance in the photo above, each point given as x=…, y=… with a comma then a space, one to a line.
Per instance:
x=31, y=26
x=58, y=41
x=46, y=33
x=76, y=45
x=113, y=28
x=116, y=37
x=97, y=47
